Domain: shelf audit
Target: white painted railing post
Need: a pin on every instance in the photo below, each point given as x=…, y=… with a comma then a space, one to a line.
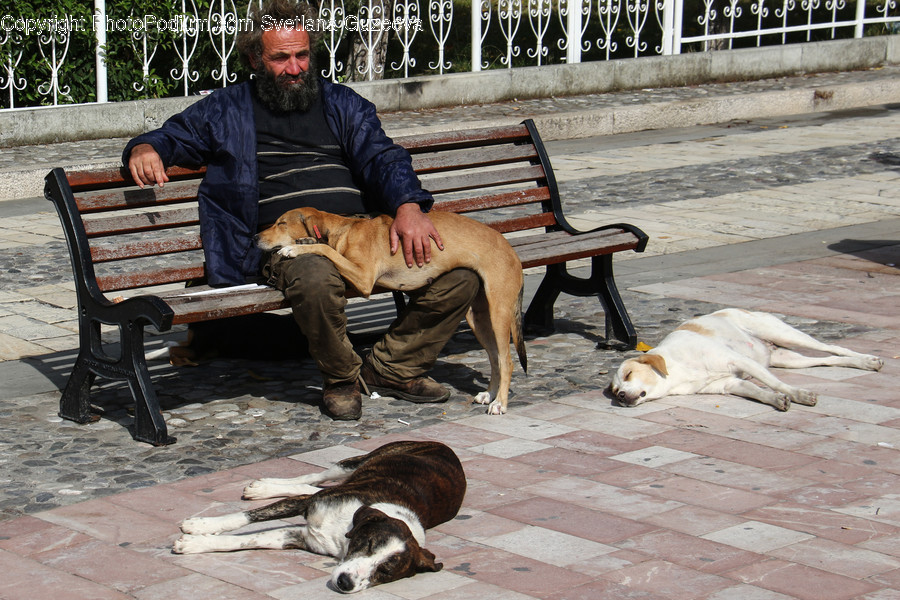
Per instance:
x=481, y=22
x=100, y=50
x=476, y=35
x=574, y=31
x=860, y=18
x=668, y=28
x=677, y=23
x=13, y=82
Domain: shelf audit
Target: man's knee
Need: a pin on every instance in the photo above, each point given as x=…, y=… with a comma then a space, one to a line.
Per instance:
x=457, y=287
x=311, y=278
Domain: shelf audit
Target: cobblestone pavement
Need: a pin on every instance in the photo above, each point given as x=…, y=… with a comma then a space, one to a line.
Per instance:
x=569, y=497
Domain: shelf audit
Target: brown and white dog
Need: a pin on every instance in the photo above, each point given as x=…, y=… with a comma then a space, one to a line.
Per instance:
x=360, y=250
x=373, y=521
x=718, y=353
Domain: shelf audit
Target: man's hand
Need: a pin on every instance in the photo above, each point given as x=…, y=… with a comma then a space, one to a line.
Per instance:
x=413, y=231
x=146, y=166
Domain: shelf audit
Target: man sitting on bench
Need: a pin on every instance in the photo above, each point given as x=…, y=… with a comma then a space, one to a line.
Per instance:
x=286, y=139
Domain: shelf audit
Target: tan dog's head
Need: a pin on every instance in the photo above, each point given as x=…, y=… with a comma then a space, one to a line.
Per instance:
x=640, y=380
x=381, y=549
x=298, y=226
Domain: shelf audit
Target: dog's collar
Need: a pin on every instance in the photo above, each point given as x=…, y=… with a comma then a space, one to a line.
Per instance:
x=406, y=515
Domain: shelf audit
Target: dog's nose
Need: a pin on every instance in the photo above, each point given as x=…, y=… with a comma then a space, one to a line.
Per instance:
x=621, y=395
x=344, y=583
x=256, y=238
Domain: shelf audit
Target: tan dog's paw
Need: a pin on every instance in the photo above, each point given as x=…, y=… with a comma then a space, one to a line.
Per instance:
x=483, y=398
x=293, y=250
x=496, y=408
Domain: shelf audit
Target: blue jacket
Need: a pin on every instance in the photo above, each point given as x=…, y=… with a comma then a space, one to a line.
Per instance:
x=218, y=131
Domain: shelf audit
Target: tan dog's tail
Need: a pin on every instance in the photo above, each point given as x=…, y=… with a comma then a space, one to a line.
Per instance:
x=517, y=334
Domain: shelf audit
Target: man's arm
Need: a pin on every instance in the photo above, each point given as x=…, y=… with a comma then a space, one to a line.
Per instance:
x=413, y=231
x=188, y=139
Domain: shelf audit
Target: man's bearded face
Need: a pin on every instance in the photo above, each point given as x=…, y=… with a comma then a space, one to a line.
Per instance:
x=284, y=92
x=285, y=72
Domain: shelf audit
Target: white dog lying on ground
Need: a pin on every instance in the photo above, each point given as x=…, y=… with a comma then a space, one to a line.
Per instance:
x=719, y=353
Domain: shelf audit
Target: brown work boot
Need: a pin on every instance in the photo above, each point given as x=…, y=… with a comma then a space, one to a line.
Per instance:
x=420, y=390
x=343, y=401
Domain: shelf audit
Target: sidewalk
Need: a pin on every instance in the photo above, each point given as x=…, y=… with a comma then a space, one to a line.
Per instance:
x=570, y=496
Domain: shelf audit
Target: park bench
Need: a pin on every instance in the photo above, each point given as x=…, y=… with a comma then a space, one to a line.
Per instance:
x=133, y=249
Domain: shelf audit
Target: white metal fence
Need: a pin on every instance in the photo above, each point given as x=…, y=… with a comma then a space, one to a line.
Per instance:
x=194, y=47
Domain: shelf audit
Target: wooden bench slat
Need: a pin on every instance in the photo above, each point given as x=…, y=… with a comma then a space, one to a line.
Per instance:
x=448, y=140
x=516, y=198
x=196, y=304
x=173, y=192
x=535, y=251
x=154, y=247
x=130, y=281
x=469, y=158
x=481, y=179
x=523, y=223
x=96, y=179
x=148, y=221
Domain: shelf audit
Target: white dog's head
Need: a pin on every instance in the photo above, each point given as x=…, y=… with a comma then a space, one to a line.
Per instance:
x=640, y=380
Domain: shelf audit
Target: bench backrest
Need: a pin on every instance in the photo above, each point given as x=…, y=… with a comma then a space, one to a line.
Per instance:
x=131, y=237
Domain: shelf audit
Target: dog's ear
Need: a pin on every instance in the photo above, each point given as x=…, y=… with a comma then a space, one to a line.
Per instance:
x=315, y=225
x=425, y=562
x=656, y=361
x=363, y=515
x=298, y=214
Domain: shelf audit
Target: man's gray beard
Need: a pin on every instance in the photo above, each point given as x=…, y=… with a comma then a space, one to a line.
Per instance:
x=287, y=98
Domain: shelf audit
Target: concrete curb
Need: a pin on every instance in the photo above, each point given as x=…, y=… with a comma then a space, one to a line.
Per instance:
x=706, y=111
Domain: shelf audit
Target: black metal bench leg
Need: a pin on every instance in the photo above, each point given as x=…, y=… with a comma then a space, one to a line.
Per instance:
x=601, y=284
x=539, y=315
x=617, y=320
x=149, y=425
x=75, y=402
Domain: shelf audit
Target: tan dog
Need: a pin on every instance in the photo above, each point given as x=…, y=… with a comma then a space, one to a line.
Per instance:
x=360, y=250
x=718, y=353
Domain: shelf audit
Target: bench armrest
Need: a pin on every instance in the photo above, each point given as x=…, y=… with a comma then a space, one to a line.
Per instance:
x=92, y=302
x=151, y=310
x=636, y=231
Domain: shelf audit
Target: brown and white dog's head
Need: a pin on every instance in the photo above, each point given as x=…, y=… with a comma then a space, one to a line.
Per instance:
x=299, y=226
x=381, y=549
x=640, y=380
